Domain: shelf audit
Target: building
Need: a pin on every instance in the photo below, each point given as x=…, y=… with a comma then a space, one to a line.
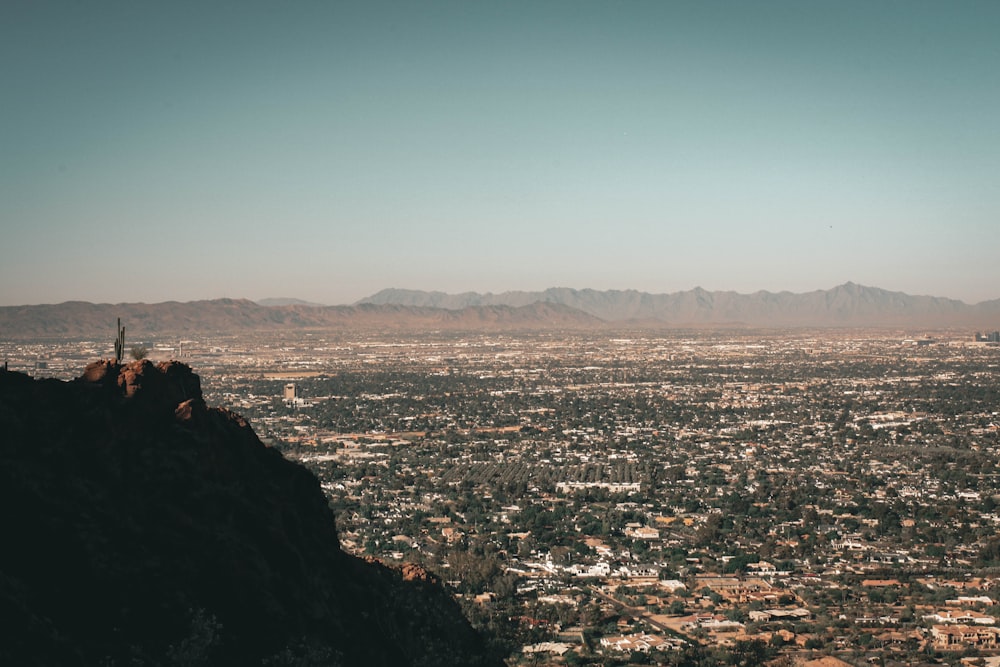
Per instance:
x=640, y=642
x=963, y=617
x=960, y=636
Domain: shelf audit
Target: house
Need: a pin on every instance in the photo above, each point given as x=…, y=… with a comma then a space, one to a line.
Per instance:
x=779, y=615
x=642, y=642
x=671, y=585
x=977, y=599
x=713, y=622
x=643, y=533
x=763, y=567
x=556, y=648
x=964, y=617
x=650, y=572
x=958, y=637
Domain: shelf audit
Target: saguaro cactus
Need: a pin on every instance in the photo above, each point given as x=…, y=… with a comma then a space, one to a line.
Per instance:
x=120, y=342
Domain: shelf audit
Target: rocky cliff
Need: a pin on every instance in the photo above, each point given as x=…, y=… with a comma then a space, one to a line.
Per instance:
x=142, y=527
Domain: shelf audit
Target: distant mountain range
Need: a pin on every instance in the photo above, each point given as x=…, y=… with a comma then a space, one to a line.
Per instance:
x=287, y=301
x=847, y=305
x=78, y=319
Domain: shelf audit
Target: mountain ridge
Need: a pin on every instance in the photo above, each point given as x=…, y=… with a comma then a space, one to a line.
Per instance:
x=848, y=304
x=83, y=319
x=399, y=310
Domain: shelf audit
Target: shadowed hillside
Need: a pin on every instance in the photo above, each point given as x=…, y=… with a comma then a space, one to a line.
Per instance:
x=143, y=528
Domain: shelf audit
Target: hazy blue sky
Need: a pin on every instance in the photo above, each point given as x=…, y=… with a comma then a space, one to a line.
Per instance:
x=155, y=151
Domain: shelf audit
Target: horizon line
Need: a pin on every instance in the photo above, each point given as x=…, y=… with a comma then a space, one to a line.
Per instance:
x=300, y=301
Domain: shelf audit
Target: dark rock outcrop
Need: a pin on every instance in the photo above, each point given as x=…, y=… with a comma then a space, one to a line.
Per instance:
x=142, y=527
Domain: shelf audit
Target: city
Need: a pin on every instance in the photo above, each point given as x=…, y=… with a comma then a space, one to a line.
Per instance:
x=646, y=498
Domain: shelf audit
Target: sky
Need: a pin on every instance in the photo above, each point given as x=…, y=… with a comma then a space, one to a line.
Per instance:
x=155, y=151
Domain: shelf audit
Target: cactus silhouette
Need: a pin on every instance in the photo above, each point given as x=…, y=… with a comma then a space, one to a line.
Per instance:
x=120, y=342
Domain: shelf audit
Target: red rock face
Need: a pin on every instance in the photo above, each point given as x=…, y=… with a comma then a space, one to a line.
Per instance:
x=100, y=372
x=410, y=572
x=150, y=390
x=185, y=411
x=414, y=572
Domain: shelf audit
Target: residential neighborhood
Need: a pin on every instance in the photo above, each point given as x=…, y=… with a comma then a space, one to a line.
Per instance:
x=685, y=497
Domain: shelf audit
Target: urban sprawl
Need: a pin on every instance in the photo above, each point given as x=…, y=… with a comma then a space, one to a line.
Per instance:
x=689, y=497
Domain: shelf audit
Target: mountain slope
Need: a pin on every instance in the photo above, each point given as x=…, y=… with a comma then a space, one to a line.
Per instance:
x=142, y=527
x=81, y=319
x=287, y=301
